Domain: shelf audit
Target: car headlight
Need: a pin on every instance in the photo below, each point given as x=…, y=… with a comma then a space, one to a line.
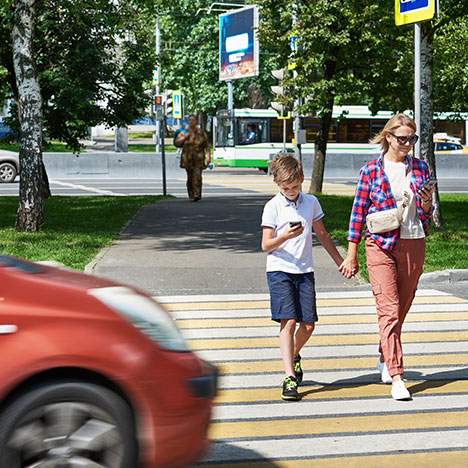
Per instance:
x=143, y=313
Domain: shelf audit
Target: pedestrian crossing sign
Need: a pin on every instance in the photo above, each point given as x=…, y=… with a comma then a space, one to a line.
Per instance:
x=177, y=98
x=414, y=11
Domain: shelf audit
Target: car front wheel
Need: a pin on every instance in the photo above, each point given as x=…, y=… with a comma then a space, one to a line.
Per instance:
x=68, y=424
x=7, y=172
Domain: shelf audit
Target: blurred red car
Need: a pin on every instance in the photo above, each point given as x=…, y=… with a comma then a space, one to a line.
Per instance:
x=95, y=374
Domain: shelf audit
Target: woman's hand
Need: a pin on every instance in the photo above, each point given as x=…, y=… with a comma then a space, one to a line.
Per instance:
x=426, y=197
x=349, y=267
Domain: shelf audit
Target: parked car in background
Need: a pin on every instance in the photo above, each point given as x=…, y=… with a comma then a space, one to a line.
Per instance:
x=93, y=373
x=446, y=144
x=9, y=166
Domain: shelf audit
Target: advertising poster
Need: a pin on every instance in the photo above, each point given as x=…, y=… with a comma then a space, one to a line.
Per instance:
x=238, y=45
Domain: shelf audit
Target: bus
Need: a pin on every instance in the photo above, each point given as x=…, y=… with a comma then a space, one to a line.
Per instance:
x=250, y=137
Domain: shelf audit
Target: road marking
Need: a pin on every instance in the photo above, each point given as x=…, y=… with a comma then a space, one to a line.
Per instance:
x=86, y=188
x=340, y=302
x=317, y=340
x=263, y=322
x=345, y=412
x=453, y=459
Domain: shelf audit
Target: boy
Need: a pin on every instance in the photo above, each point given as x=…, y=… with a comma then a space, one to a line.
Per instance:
x=288, y=221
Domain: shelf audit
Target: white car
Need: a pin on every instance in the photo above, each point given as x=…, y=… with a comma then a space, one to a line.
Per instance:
x=9, y=166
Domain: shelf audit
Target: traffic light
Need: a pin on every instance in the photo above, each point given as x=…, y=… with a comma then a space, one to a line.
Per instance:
x=169, y=104
x=158, y=106
x=281, y=104
x=158, y=100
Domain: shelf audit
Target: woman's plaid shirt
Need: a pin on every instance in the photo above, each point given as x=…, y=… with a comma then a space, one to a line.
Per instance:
x=373, y=193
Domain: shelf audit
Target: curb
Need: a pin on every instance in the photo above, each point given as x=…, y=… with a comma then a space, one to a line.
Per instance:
x=445, y=276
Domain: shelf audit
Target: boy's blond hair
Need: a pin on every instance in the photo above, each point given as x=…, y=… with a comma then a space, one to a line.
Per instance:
x=286, y=168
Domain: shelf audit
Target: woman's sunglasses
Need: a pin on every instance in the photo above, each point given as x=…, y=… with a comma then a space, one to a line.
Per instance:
x=402, y=140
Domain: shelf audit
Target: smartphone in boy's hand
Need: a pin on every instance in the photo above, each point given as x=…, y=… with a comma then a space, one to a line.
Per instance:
x=295, y=224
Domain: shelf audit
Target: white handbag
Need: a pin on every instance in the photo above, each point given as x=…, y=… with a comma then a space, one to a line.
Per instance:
x=388, y=220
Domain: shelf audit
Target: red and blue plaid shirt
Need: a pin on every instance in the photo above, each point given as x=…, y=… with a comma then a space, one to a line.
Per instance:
x=373, y=193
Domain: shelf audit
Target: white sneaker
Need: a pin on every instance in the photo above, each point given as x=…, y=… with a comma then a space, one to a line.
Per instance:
x=399, y=391
x=384, y=375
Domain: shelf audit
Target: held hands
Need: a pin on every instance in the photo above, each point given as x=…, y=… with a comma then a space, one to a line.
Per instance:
x=349, y=267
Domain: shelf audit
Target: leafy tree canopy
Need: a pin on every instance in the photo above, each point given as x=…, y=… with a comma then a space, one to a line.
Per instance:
x=92, y=58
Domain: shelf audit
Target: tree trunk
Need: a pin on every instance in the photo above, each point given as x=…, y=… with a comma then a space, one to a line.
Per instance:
x=320, y=149
x=33, y=182
x=427, y=118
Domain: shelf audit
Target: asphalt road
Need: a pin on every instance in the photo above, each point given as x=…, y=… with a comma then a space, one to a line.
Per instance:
x=220, y=182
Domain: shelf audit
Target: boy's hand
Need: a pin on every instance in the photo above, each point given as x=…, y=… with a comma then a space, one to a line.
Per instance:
x=293, y=232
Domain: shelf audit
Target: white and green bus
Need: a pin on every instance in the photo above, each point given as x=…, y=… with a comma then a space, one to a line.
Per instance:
x=250, y=136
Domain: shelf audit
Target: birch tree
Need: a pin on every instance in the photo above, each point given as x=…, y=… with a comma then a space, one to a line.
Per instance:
x=33, y=186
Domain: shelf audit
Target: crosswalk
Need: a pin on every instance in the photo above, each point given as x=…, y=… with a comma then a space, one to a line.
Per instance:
x=346, y=417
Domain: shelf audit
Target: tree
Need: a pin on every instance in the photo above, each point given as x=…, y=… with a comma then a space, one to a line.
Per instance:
x=93, y=59
x=346, y=55
x=33, y=187
x=449, y=22
x=189, y=59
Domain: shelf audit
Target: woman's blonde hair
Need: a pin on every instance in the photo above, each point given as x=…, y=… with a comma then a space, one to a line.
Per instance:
x=397, y=121
x=286, y=168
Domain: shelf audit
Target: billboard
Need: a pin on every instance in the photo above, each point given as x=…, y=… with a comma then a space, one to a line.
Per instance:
x=414, y=11
x=238, y=44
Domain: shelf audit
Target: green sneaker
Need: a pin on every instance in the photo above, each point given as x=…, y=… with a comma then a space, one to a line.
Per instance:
x=290, y=389
x=298, y=369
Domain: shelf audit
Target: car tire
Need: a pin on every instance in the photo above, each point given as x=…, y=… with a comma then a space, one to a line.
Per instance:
x=8, y=172
x=68, y=423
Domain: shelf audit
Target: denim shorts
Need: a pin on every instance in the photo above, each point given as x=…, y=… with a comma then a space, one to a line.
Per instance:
x=292, y=296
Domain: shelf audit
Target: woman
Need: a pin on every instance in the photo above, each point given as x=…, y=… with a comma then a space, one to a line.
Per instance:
x=394, y=258
x=194, y=157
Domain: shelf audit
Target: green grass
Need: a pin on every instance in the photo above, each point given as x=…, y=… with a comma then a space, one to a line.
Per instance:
x=141, y=134
x=57, y=147
x=136, y=148
x=53, y=147
x=446, y=248
x=76, y=228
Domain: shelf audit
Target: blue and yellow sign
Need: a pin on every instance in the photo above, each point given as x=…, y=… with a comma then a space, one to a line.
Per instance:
x=177, y=103
x=414, y=11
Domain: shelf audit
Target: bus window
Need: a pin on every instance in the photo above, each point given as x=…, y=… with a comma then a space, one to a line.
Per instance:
x=224, y=130
x=252, y=131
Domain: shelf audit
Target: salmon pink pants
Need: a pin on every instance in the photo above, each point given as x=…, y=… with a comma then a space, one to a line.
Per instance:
x=394, y=277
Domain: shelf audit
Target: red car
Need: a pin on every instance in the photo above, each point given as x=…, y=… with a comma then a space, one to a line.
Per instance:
x=95, y=374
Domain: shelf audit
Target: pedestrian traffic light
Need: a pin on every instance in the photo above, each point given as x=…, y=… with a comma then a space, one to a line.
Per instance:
x=281, y=104
x=158, y=106
x=158, y=100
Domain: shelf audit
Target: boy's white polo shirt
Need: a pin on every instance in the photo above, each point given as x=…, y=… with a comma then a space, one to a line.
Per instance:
x=294, y=255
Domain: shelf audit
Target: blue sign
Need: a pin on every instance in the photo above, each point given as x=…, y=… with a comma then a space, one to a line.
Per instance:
x=238, y=44
x=414, y=11
x=407, y=6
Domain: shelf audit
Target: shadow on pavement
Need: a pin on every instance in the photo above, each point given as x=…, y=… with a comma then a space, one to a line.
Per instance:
x=228, y=454
x=181, y=225
x=436, y=380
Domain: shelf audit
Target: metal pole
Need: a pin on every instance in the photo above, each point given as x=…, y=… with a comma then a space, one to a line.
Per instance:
x=417, y=84
x=230, y=107
x=157, y=89
x=284, y=134
x=298, y=102
x=163, y=154
x=230, y=89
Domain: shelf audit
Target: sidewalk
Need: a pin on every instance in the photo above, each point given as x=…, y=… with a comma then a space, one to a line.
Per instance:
x=178, y=247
